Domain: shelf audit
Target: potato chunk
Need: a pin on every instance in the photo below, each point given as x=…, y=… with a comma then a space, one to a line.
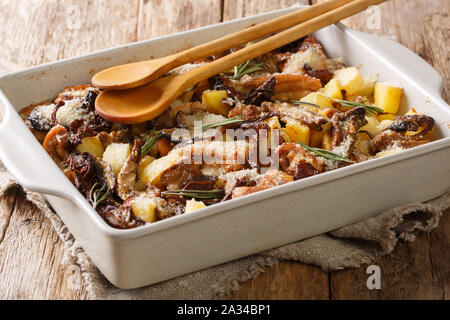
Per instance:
x=91, y=145
x=297, y=132
x=144, y=208
x=333, y=89
x=350, y=80
x=326, y=141
x=192, y=205
x=213, y=99
x=374, y=126
x=152, y=172
x=316, y=137
x=318, y=99
x=387, y=97
x=367, y=88
x=116, y=154
x=273, y=122
x=386, y=116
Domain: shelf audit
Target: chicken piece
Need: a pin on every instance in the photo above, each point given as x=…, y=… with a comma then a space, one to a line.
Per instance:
x=283, y=83
x=289, y=110
x=389, y=139
x=271, y=178
x=298, y=162
x=56, y=143
x=344, y=129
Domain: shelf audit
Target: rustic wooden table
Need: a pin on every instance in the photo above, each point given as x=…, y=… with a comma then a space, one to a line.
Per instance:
x=34, y=32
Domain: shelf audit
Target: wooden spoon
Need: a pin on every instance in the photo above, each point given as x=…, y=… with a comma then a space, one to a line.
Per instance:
x=136, y=74
x=147, y=102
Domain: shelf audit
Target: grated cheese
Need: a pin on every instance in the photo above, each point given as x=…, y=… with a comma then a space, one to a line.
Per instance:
x=41, y=116
x=71, y=110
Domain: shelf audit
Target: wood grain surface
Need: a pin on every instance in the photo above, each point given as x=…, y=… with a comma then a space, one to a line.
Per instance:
x=38, y=31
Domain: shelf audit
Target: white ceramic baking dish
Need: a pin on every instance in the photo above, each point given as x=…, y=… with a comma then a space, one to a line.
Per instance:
x=236, y=228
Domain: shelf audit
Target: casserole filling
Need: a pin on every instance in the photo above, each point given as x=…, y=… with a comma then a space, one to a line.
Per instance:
x=287, y=115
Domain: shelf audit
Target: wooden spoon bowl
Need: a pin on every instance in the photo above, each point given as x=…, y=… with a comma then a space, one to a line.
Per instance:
x=147, y=102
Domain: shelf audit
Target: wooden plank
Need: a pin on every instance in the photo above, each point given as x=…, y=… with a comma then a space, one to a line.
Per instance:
x=407, y=273
x=157, y=18
x=439, y=254
x=35, y=32
x=286, y=281
x=7, y=204
x=31, y=255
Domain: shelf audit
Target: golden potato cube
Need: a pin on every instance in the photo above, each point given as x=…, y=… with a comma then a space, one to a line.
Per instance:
x=213, y=99
x=367, y=88
x=316, y=138
x=116, y=154
x=273, y=122
x=192, y=205
x=143, y=163
x=350, y=80
x=371, y=126
x=91, y=145
x=332, y=89
x=144, y=208
x=386, y=116
x=362, y=142
x=387, y=97
x=326, y=141
x=152, y=172
x=297, y=132
x=318, y=99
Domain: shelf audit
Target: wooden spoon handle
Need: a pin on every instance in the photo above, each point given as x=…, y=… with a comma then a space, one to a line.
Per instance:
x=255, y=32
x=276, y=41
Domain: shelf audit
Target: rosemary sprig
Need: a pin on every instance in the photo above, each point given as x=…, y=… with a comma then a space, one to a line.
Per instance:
x=99, y=194
x=197, y=194
x=235, y=119
x=298, y=102
x=244, y=69
x=325, y=153
x=150, y=142
x=371, y=110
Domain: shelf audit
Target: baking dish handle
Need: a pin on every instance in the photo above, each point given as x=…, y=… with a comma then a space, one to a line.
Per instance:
x=28, y=162
x=408, y=63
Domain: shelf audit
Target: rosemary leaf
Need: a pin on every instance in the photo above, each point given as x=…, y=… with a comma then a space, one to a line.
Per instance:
x=371, y=110
x=325, y=153
x=235, y=119
x=150, y=142
x=197, y=194
x=244, y=69
x=298, y=102
x=98, y=195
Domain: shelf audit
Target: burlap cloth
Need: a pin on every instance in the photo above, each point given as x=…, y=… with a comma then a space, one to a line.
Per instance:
x=349, y=246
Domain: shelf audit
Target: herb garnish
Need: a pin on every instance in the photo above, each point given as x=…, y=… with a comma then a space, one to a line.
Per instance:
x=150, y=142
x=196, y=194
x=235, y=119
x=298, y=102
x=371, y=110
x=99, y=194
x=244, y=69
x=325, y=153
